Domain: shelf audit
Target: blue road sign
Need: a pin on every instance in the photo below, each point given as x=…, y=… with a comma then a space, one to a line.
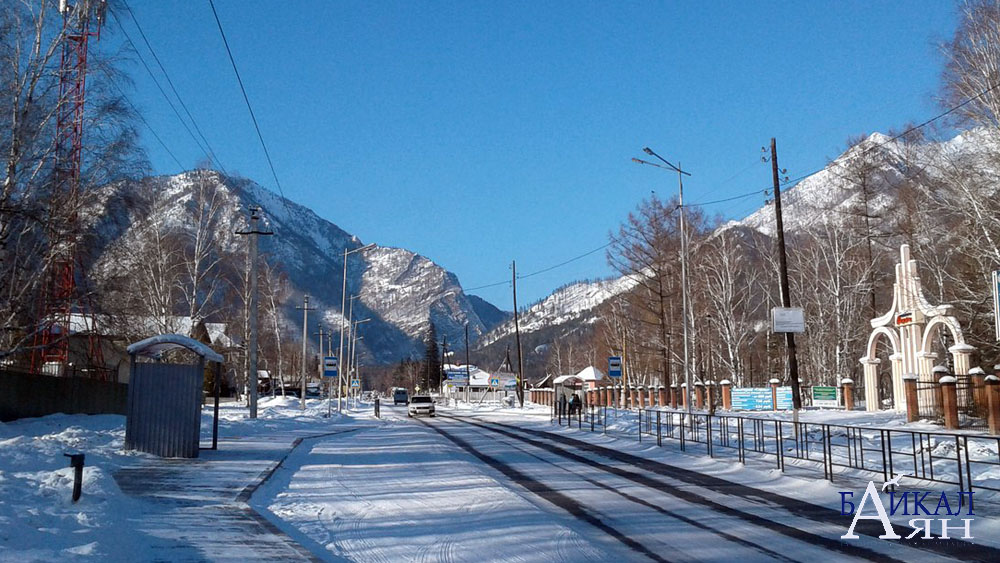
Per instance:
x=355, y=383
x=494, y=382
x=330, y=366
x=614, y=366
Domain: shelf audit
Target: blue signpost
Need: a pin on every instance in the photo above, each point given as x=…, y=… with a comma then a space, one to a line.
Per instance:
x=614, y=366
x=330, y=366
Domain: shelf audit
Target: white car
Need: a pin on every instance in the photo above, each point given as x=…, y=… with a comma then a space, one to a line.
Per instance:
x=420, y=404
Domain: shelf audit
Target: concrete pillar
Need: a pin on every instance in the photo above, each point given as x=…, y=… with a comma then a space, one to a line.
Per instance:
x=992, y=384
x=673, y=395
x=662, y=391
x=774, y=393
x=910, y=388
x=727, y=394
x=699, y=395
x=949, y=394
x=847, y=389
x=978, y=377
x=642, y=396
x=684, y=396
x=871, y=384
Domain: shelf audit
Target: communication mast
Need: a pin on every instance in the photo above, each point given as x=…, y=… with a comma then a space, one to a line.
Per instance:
x=81, y=21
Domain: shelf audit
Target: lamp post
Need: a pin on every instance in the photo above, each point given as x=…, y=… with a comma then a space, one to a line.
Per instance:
x=354, y=366
x=343, y=303
x=684, y=283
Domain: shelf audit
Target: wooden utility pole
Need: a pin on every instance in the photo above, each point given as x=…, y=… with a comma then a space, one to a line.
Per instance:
x=305, y=327
x=517, y=336
x=468, y=370
x=253, y=233
x=786, y=300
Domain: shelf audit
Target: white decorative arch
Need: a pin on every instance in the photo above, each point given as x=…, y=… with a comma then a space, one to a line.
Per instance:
x=910, y=324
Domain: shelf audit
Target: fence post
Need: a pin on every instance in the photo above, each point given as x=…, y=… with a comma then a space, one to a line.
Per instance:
x=910, y=390
x=774, y=393
x=662, y=392
x=939, y=372
x=979, y=400
x=642, y=397
x=949, y=397
x=659, y=436
x=684, y=395
x=848, y=391
x=710, y=396
x=673, y=395
x=699, y=395
x=727, y=394
x=992, y=383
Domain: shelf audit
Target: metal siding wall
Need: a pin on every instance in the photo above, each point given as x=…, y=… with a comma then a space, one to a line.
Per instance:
x=164, y=409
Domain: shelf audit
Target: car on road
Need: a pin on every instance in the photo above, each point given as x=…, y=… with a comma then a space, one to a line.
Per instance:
x=399, y=395
x=421, y=404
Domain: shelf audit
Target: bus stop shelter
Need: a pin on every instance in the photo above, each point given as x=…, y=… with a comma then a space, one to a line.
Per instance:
x=163, y=416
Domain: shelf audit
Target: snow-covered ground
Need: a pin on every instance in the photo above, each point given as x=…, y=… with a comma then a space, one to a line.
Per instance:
x=357, y=488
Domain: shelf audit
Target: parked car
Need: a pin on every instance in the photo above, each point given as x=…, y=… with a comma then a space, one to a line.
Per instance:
x=399, y=395
x=421, y=404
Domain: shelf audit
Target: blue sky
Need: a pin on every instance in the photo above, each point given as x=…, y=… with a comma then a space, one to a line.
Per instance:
x=479, y=132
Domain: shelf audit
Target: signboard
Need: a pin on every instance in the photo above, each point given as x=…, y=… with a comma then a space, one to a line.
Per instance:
x=785, y=399
x=330, y=366
x=494, y=382
x=614, y=366
x=759, y=398
x=996, y=303
x=457, y=377
x=355, y=383
x=825, y=396
x=752, y=399
x=787, y=319
x=510, y=383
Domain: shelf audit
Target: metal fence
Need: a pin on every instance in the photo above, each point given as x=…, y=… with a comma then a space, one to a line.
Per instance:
x=968, y=462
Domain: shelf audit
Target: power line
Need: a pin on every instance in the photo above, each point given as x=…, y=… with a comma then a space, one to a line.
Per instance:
x=561, y=264
x=246, y=99
x=118, y=20
x=144, y=122
x=211, y=152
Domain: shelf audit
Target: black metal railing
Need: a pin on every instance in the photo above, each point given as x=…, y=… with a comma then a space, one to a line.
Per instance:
x=967, y=461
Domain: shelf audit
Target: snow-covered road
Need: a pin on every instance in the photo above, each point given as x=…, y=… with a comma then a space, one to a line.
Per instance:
x=456, y=488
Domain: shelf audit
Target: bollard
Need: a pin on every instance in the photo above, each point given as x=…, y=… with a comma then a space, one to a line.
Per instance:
x=910, y=390
x=774, y=393
x=76, y=462
x=848, y=392
x=993, y=398
x=949, y=394
x=727, y=394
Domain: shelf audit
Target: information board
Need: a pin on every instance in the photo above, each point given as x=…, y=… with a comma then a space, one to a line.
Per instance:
x=788, y=319
x=457, y=377
x=785, y=399
x=614, y=366
x=330, y=366
x=752, y=399
x=825, y=396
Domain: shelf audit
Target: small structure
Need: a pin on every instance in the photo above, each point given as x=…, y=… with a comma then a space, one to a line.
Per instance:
x=591, y=377
x=910, y=326
x=164, y=400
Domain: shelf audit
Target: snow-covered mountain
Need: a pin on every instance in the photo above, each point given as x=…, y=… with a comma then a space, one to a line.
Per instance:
x=400, y=291
x=575, y=303
x=833, y=192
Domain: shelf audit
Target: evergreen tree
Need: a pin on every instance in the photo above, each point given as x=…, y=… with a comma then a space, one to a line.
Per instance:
x=432, y=359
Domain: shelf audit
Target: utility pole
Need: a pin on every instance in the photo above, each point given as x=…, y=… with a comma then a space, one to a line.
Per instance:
x=517, y=336
x=468, y=370
x=444, y=358
x=684, y=285
x=253, y=233
x=305, y=327
x=786, y=300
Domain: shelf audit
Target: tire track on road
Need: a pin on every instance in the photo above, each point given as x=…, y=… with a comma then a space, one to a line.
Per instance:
x=688, y=496
x=551, y=495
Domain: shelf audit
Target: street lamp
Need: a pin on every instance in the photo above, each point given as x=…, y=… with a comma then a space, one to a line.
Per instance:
x=343, y=303
x=684, y=282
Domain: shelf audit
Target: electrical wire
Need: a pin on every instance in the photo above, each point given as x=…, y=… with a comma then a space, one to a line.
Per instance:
x=246, y=99
x=211, y=151
x=146, y=123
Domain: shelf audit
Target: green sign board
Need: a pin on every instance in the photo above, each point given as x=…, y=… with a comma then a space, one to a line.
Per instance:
x=825, y=397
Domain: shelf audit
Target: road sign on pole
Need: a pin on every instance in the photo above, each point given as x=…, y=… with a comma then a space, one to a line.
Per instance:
x=614, y=366
x=330, y=366
x=355, y=383
x=494, y=382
